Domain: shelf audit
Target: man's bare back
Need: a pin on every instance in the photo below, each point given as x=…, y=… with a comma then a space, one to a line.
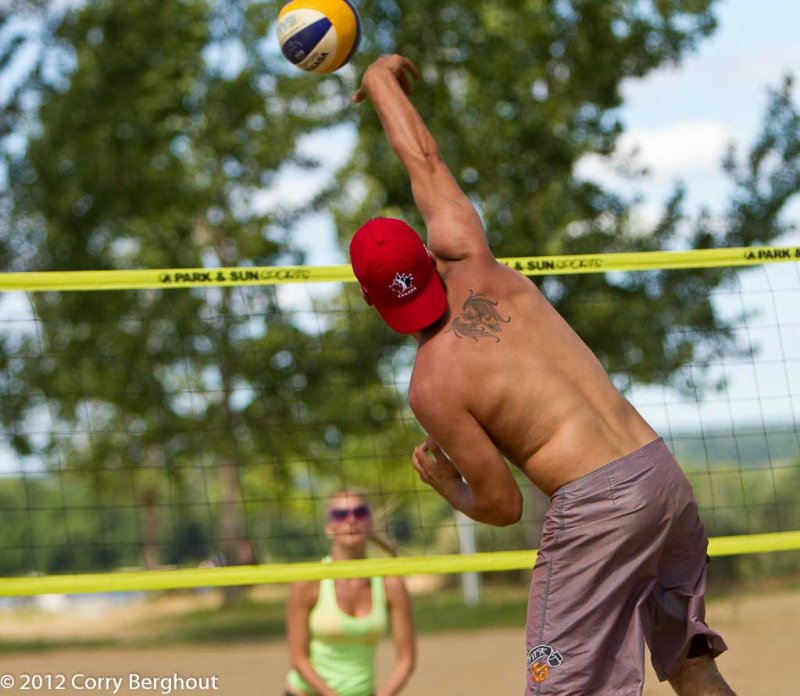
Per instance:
x=499, y=375
x=504, y=355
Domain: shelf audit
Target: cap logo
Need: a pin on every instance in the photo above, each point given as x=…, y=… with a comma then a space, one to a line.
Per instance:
x=403, y=284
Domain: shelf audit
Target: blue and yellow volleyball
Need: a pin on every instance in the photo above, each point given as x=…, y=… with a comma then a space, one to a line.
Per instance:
x=319, y=36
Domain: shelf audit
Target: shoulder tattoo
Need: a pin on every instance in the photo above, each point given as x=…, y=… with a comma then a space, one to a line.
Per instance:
x=479, y=318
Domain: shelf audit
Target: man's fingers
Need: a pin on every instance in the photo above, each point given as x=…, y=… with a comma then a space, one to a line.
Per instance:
x=402, y=78
x=422, y=474
x=418, y=460
x=400, y=66
x=411, y=68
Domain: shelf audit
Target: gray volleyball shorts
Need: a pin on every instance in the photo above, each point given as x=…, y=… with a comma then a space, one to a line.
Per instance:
x=622, y=557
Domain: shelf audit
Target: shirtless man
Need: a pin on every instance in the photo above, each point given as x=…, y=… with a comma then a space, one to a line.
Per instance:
x=499, y=375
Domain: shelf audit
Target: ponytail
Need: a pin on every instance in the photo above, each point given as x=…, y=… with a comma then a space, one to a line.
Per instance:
x=385, y=543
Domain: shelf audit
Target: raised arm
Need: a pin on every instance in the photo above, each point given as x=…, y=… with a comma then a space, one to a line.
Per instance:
x=455, y=231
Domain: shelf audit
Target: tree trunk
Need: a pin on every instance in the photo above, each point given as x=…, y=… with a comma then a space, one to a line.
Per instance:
x=150, y=528
x=230, y=532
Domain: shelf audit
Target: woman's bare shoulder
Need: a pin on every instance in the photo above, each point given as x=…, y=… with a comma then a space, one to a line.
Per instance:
x=305, y=592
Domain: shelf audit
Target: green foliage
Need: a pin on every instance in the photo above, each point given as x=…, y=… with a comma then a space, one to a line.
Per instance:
x=145, y=134
x=516, y=93
x=52, y=528
x=746, y=483
x=250, y=620
x=150, y=148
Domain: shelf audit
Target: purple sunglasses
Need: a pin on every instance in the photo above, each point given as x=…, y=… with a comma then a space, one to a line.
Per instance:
x=360, y=512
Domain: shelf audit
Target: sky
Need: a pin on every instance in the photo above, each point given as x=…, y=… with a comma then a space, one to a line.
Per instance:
x=681, y=119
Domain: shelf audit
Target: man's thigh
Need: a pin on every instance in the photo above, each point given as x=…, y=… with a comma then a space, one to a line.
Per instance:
x=596, y=566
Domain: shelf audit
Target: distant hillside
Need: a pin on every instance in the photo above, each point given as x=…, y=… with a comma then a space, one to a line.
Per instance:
x=750, y=447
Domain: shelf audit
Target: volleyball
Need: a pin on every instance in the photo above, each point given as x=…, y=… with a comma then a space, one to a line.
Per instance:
x=319, y=36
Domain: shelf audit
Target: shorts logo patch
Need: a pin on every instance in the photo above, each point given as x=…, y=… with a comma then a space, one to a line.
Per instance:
x=540, y=660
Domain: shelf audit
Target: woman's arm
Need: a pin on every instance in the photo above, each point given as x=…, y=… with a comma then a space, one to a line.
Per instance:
x=403, y=635
x=302, y=598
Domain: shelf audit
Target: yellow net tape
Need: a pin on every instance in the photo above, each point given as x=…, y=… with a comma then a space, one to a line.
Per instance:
x=274, y=275
x=291, y=572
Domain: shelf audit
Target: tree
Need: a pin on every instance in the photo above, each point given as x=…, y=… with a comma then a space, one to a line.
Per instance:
x=149, y=148
x=516, y=93
x=151, y=129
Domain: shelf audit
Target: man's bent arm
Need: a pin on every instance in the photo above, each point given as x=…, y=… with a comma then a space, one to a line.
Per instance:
x=454, y=228
x=498, y=503
x=468, y=471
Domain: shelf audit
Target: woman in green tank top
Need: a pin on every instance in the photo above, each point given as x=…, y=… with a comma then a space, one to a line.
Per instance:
x=333, y=626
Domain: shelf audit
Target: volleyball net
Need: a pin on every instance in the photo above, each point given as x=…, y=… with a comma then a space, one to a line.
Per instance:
x=179, y=428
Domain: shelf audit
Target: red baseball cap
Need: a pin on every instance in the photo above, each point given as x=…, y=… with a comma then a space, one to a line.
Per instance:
x=397, y=274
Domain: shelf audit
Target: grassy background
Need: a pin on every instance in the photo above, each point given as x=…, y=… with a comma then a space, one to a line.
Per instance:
x=258, y=619
x=251, y=620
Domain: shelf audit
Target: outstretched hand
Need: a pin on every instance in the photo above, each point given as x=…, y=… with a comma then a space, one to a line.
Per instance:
x=436, y=470
x=398, y=66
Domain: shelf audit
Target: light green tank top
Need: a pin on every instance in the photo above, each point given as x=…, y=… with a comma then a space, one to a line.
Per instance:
x=342, y=647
